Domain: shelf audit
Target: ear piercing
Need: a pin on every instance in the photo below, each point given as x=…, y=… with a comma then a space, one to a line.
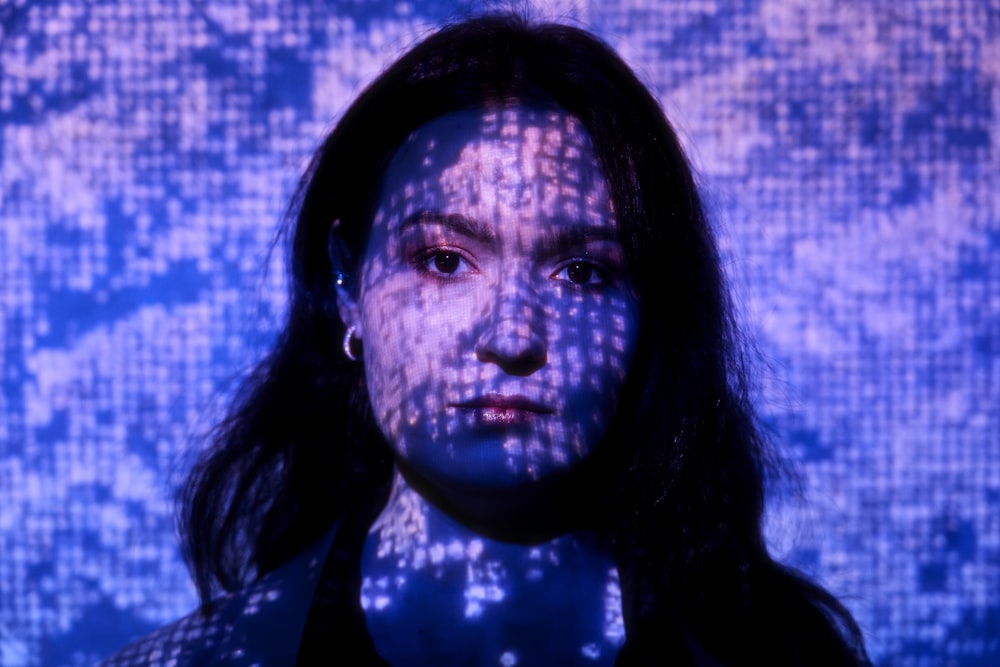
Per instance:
x=348, y=335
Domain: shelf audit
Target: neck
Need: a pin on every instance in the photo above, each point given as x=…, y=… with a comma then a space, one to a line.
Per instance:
x=530, y=514
x=432, y=587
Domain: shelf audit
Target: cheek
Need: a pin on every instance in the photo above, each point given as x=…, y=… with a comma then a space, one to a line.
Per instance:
x=606, y=360
x=387, y=342
x=613, y=343
x=413, y=347
x=594, y=343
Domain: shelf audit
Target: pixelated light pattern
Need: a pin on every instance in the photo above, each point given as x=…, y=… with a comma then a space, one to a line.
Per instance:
x=497, y=316
x=849, y=152
x=498, y=324
x=508, y=595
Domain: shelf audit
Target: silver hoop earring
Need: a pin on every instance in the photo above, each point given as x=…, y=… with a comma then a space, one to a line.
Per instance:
x=348, y=335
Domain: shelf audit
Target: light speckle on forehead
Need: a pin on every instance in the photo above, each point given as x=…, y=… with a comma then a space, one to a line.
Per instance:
x=493, y=272
x=532, y=157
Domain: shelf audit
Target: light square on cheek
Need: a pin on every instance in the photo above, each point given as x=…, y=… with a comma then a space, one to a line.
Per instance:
x=498, y=319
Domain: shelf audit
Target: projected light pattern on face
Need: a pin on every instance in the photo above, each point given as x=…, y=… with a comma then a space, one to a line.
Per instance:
x=496, y=312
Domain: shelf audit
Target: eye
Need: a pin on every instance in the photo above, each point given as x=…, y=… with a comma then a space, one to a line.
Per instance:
x=444, y=262
x=580, y=272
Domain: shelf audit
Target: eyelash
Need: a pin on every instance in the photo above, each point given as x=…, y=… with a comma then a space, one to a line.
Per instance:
x=594, y=269
x=427, y=263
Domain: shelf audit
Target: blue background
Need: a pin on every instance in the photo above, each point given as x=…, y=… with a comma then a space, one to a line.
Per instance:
x=850, y=155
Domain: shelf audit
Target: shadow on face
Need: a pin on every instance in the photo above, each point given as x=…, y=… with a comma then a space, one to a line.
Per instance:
x=496, y=311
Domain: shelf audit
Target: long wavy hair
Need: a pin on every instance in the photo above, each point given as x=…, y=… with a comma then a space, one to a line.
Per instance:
x=682, y=507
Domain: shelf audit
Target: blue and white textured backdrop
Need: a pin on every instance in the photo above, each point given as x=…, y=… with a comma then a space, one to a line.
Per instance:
x=850, y=151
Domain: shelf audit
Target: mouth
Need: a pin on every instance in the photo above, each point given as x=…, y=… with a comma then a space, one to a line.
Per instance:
x=498, y=410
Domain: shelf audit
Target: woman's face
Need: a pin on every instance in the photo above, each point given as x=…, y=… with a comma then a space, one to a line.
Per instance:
x=497, y=315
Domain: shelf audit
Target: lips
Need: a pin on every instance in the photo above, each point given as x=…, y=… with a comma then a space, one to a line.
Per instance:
x=498, y=410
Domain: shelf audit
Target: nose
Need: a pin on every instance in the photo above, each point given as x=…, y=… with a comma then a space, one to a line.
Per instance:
x=514, y=335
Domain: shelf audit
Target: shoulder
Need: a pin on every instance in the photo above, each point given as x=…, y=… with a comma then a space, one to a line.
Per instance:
x=261, y=624
x=180, y=643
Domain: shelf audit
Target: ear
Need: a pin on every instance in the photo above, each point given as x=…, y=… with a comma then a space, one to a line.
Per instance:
x=350, y=312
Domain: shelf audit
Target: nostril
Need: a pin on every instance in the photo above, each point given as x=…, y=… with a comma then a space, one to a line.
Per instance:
x=514, y=347
x=513, y=335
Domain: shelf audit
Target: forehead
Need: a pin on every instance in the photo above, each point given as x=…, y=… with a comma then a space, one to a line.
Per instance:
x=520, y=132
x=518, y=157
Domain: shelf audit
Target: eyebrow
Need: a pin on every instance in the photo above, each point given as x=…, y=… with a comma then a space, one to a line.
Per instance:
x=457, y=222
x=559, y=236
x=581, y=234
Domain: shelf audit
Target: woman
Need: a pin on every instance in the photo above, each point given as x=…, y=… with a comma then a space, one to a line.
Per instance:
x=505, y=422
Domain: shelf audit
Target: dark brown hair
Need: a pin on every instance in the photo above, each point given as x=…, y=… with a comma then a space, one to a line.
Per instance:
x=682, y=508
